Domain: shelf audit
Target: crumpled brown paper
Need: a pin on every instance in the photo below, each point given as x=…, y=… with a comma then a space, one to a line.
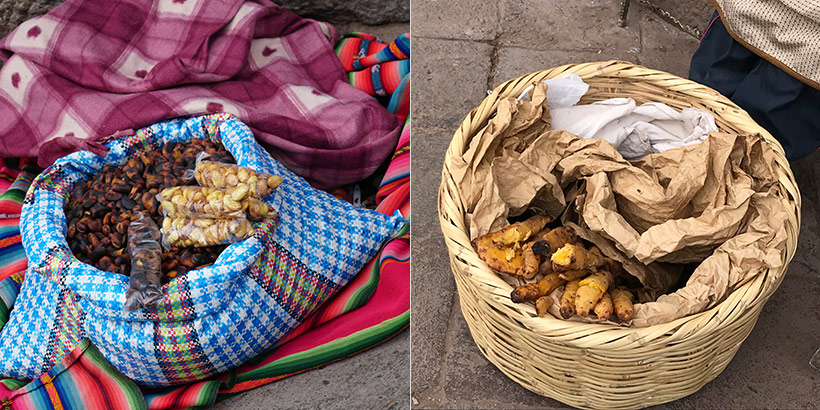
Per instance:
x=717, y=202
x=515, y=124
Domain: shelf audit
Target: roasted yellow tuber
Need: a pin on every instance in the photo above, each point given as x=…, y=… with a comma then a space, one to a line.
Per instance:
x=576, y=257
x=572, y=274
x=526, y=249
x=504, y=250
x=548, y=283
x=603, y=309
x=590, y=291
x=533, y=291
x=548, y=243
x=545, y=268
x=542, y=304
x=622, y=299
x=520, y=232
x=529, y=262
x=568, y=299
x=504, y=260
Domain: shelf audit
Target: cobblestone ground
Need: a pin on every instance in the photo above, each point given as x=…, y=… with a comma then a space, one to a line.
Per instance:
x=462, y=48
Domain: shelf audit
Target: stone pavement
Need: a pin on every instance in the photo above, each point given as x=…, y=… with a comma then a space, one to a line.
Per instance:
x=461, y=49
x=378, y=378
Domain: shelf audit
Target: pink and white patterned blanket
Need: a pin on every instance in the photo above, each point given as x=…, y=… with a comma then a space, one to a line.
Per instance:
x=92, y=69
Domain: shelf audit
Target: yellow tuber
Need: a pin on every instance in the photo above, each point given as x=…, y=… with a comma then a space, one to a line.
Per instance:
x=603, y=309
x=573, y=274
x=533, y=291
x=520, y=231
x=575, y=257
x=547, y=244
x=622, y=299
x=503, y=250
x=542, y=304
x=545, y=268
x=529, y=262
x=505, y=260
x=568, y=299
x=590, y=291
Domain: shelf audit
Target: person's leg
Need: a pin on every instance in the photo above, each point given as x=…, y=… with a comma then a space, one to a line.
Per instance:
x=720, y=62
x=781, y=104
x=784, y=106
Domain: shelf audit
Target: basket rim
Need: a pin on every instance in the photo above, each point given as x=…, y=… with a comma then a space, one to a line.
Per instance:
x=754, y=291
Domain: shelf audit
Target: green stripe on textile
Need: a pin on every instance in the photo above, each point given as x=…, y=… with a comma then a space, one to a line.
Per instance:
x=328, y=352
x=13, y=384
x=363, y=294
x=208, y=393
x=4, y=315
x=16, y=195
x=130, y=392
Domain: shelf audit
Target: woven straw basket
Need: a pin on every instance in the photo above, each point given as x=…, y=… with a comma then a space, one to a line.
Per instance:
x=593, y=365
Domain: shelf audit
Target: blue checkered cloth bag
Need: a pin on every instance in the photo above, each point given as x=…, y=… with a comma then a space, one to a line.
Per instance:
x=211, y=319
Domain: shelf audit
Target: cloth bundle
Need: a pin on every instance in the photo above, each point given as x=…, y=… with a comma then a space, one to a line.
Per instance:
x=635, y=131
x=210, y=320
x=104, y=68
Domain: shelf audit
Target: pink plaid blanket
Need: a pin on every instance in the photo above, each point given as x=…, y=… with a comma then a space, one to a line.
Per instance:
x=91, y=69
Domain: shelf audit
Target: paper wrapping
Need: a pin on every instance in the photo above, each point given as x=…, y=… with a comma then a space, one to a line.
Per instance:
x=717, y=203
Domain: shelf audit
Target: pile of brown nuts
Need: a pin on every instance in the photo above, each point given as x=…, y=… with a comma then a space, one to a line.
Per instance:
x=100, y=210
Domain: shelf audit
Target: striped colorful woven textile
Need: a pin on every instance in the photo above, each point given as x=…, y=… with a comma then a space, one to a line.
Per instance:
x=398, y=49
x=378, y=68
x=82, y=379
x=18, y=179
x=15, y=177
x=12, y=254
x=9, y=288
x=9, y=168
x=355, y=45
x=397, y=176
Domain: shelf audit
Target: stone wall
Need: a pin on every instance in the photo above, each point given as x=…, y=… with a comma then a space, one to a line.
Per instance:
x=693, y=13
x=371, y=12
x=14, y=12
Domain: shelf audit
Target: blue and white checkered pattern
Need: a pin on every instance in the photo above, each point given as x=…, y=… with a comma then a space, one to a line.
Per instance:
x=33, y=317
x=233, y=315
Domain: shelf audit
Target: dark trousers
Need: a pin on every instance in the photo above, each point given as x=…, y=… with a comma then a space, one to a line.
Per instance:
x=783, y=105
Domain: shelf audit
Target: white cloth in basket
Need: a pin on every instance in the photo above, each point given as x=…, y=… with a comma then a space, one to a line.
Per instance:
x=635, y=131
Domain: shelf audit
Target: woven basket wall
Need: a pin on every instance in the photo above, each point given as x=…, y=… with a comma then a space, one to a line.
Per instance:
x=594, y=365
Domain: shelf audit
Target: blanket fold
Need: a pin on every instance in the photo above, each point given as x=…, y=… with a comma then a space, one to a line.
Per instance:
x=89, y=69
